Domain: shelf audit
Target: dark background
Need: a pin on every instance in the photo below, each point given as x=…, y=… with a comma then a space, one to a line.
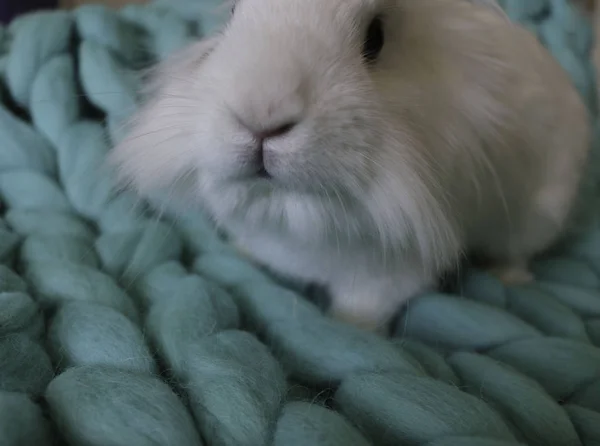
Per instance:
x=11, y=8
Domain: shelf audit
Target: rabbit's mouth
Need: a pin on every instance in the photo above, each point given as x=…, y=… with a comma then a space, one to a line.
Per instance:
x=263, y=173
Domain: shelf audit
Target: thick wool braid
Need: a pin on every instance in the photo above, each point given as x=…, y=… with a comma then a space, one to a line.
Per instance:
x=120, y=328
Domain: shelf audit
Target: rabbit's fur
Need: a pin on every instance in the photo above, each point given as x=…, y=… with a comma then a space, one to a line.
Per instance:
x=464, y=135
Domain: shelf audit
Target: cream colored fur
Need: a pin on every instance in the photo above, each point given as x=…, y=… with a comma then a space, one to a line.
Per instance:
x=466, y=135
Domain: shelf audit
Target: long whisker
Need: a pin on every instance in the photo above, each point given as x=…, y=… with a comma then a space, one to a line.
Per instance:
x=333, y=212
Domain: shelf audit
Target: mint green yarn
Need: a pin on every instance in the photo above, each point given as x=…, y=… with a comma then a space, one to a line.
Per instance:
x=52, y=33
x=304, y=423
x=546, y=425
x=551, y=316
x=57, y=247
x=135, y=409
x=567, y=271
x=473, y=325
x=20, y=313
x=586, y=422
x=126, y=323
x=96, y=23
x=18, y=414
x=113, y=77
x=8, y=243
x=11, y=281
x=91, y=334
x=561, y=366
x=472, y=441
x=53, y=106
x=22, y=147
x=47, y=222
x=243, y=408
x=430, y=409
x=26, y=367
x=60, y=282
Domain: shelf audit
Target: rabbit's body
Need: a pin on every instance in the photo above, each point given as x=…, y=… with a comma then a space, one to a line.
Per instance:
x=462, y=135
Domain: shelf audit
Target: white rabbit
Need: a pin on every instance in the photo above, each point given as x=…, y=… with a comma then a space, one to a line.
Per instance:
x=367, y=145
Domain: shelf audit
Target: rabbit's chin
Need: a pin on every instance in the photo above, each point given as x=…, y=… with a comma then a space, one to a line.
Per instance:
x=265, y=184
x=266, y=206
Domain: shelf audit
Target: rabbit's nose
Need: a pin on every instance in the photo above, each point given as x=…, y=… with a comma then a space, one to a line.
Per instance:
x=261, y=137
x=271, y=122
x=274, y=132
x=268, y=128
x=271, y=112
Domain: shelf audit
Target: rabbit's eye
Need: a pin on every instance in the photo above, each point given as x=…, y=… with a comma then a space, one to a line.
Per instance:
x=374, y=40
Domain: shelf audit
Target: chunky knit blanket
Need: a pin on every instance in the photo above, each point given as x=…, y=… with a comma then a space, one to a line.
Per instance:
x=124, y=326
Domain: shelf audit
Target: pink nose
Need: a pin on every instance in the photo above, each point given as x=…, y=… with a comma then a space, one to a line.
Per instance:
x=261, y=136
x=274, y=132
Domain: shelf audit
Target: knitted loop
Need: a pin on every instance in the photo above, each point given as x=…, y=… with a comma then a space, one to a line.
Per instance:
x=586, y=423
x=8, y=244
x=304, y=423
x=22, y=421
x=503, y=387
x=134, y=409
x=40, y=37
x=159, y=332
x=374, y=400
x=26, y=367
x=77, y=325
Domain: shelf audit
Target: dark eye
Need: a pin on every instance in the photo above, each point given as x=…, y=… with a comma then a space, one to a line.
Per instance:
x=374, y=40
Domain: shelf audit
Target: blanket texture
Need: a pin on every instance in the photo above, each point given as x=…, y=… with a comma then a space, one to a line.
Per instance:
x=120, y=326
